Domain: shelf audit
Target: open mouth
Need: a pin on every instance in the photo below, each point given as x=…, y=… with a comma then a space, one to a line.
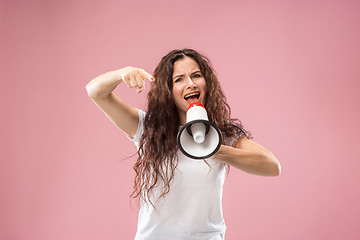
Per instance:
x=192, y=97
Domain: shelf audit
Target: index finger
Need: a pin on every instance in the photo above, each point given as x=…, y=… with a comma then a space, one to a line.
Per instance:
x=148, y=76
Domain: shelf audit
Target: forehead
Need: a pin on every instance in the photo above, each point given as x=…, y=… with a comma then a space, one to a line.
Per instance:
x=185, y=65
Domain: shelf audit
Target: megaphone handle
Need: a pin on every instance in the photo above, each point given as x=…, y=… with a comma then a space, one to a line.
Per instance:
x=188, y=129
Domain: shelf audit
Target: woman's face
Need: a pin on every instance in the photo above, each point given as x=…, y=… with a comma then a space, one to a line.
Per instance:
x=189, y=85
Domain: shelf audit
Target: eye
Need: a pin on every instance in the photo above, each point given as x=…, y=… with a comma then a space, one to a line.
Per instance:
x=197, y=75
x=178, y=80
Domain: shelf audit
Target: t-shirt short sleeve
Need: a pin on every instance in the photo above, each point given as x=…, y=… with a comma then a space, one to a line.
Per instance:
x=140, y=128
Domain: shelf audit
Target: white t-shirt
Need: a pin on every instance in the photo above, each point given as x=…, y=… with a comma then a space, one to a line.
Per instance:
x=192, y=210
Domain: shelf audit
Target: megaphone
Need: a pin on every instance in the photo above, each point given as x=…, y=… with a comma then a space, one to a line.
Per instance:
x=198, y=138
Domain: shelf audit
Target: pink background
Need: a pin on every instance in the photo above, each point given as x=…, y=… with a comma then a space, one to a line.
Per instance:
x=290, y=71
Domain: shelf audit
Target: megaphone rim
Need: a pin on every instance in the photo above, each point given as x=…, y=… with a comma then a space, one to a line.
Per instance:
x=196, y=121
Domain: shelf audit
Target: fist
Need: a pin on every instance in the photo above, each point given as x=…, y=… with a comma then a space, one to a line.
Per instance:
x=135, y=77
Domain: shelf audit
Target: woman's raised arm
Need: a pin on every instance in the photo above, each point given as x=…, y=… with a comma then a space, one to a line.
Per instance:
x=100, y=90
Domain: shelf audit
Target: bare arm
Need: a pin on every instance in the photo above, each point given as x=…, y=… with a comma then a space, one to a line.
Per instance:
x=101, y=88
x=249, y=157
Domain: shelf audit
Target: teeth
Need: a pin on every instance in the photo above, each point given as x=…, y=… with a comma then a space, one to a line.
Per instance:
x=192, y=94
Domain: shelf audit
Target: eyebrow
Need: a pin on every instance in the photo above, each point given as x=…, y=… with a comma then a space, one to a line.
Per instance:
x=181, y=75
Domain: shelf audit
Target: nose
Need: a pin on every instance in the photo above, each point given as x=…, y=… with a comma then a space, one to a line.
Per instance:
x=190, y=83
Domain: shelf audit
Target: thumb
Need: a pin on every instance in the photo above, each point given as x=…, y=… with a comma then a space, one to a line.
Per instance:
x=139, y=90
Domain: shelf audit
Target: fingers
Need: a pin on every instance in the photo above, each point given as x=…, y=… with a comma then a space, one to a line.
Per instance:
x=139, y=83
x=145, y=75
x=135, y=78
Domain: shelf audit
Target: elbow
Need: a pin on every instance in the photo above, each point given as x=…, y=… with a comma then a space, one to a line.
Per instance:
x=94, y=91
x=91, y=90
x=275, y=165
x=277, y=171
x=88, y=89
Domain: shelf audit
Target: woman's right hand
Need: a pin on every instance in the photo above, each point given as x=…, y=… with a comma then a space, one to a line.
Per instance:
x=101, y=88
x=135, y=77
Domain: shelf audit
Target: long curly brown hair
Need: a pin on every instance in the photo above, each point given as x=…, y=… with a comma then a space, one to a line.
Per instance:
x=157, y=154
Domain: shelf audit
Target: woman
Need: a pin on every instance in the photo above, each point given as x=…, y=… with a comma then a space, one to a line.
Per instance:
x=180, y=198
